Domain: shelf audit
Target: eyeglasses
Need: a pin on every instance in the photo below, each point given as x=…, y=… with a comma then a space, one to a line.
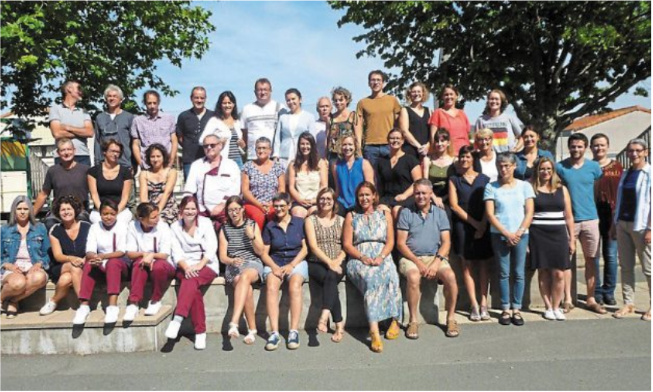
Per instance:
x=211, y=145
x=113, y=151
x=234, y=210
x=638, y=151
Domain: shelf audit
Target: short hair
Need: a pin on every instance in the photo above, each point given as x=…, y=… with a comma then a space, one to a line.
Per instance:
x=185, y=201
x=467, y=149
x=483, y=133
x=321, y=193
x=555, y=179
x=342, y=139
x=152, y=92
x=600, y=136
x=425, y=91
x=376, y=72
x=14, y=205
x=158, y=147
x=395, y=130
x=67, y=84
x=423, y=182
x=639, y=141
x=264, y=140
x=197, y=88
x=342, y=91
x=317, y=104
x=506, y=156
x=450, y=87
x=502, y=96
x=262, y=81
x=220, y=140
x=144, y=209
x=64, y=140
x=113, y=87
x=281, y=196
x=577, y=136
x=313, y=159
x=293, y=91
x=218, y=106
x=104, y=146
x=108, y=203
x=71, y=200
x=370, y=186
x=447, y=136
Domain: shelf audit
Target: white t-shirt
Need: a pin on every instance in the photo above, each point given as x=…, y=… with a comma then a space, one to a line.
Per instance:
x=259, y=121
x=100, y=240
x=190, y=249
x=490, y=168
x=158, y=240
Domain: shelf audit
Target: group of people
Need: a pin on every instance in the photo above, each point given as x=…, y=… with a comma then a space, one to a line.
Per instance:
x=275, y=195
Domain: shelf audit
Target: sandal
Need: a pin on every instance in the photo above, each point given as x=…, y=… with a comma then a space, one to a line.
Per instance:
x=596, y=308
x=323, y=325
x=412, y=332
x=377, y=344
x=233, y=331
x=251, y=337
x=485, y=316
x=393, y=332
x=647, y=316
x=568, y=307
x=452, y=329
x=621, y=313
x=474, y=314
x=338, y=334
x=12, y=309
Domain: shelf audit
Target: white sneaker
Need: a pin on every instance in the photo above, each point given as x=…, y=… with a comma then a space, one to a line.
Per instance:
x=130, y=313
x=559, y=315
x=173, y=329
x=48, y=308
x=153, y=308
x=81, y=315
x=111, y=317
x=548, y=314
x=200, y=341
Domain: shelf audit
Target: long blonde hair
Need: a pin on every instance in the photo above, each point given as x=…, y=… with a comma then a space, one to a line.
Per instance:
x=556, y=183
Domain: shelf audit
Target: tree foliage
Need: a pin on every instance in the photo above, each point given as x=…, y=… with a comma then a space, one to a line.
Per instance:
x=95, y=42
x=556, y=61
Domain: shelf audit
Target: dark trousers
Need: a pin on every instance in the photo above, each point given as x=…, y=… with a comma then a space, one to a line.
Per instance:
x=329, y=280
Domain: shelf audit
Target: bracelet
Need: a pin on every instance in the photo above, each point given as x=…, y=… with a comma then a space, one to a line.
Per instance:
x=439, y=256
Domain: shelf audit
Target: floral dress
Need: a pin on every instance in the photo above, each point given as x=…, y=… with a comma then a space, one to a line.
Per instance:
x=170, y=212
x=378, y=284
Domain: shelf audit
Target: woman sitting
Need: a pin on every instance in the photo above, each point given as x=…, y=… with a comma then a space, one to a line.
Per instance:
x=307, y=174
x=105, y=258
x=194, y=247
x=439, y=166
x=262, y=178
x=24, y=249
x=68, y=240
x=284, y=257
x=241, y=244
x=110, y=180
x=149, y=245
x=348, y=172
x=157, y=183
x=368, y=239
x=327, y=259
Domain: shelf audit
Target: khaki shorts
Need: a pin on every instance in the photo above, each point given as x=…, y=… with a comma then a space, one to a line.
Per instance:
x=587, y=232
x=406, y=265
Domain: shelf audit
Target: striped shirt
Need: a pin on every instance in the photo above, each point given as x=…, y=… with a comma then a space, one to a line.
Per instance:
x=239, y=244
x=549, y=208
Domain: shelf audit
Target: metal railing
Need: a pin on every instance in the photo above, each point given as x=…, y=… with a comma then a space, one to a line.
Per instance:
x=38, y=169
x=622, y=157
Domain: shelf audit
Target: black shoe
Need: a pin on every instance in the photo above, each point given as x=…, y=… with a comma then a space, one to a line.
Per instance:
x=504, y=319
x=517, y=319
x=610, y=301
x=599, y=299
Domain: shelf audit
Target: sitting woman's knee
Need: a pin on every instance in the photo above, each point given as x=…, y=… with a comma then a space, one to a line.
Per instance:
x=299, y=212
x=16, y=283
x=65, y=280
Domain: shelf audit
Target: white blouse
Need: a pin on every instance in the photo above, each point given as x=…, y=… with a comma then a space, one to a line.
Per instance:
x=191, y=249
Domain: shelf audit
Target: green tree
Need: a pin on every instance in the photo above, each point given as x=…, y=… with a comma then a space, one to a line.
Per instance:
x=95, y=42
x=556, y=61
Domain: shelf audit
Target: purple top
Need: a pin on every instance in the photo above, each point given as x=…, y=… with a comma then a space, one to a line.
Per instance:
x=150, y=130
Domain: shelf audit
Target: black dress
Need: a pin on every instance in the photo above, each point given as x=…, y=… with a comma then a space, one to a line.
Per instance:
x=470, y=199
x=395, y=180
x=419, y=128
x=548, y=239
x=69, y=247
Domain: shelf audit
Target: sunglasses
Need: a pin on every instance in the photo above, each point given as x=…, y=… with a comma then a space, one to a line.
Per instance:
x=211, y=145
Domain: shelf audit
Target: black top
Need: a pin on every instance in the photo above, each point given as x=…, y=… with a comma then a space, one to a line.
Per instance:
x=190, y=128
x=67, y=182
x=69, y=247
x=470, y=196
x=110, y=189
x=419, y=128
x=395, y=180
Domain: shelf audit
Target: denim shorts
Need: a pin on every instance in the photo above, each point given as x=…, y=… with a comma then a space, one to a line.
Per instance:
x=300, y=269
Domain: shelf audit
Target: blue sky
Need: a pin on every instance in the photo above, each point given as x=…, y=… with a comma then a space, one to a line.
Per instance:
x=294, y=44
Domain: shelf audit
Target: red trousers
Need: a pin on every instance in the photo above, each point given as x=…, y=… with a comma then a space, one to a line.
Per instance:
x=114, y=272
x=257, y=215
x=160, y=275
x=190, y=300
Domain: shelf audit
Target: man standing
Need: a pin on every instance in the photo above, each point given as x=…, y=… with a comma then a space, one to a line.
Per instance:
x=423, y=238
x=115, y=124
x=579, y=175
x=323, y=123
x=153, y=127
x=378, y=114
x=605, y=196
x=190, y=125
x=68, y=121
x=260, y=118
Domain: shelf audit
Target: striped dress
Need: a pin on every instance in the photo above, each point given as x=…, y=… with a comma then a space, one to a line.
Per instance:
x=548, y=238
x=240, y=246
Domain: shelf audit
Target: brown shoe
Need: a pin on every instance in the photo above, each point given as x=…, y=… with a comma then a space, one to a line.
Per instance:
x=412, y=332
x=452, y=329
x=568, y=307
x=596, y=308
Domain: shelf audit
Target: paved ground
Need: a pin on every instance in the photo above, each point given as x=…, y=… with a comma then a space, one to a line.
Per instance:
x=591, y=354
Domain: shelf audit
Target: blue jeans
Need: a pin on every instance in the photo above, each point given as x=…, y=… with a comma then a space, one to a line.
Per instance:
x=373, y=152
x=507, y=256
x=610, y=263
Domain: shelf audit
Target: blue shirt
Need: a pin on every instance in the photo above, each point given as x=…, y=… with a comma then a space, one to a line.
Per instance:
x=38, y=244
x=509, y=203
x=628, y=206
x=523, y=172
x=348, y=180
x=284, y=245
x=580, y=183
x=423, y=231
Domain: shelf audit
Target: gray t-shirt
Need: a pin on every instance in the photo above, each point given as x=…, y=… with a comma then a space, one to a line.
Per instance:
x=75, y=117
x=67, y=182
x=118, y=128
x=506, y=128
x=423, y=232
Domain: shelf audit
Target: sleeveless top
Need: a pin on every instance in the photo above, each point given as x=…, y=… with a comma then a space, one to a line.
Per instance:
x=418, y=126
x=234, y=152
x=329, y=239
x=339, y=129
x=348, y=180
x=70, y=247
x=23, y=261
x=439, y=176
x=307, y=184
x=170, y=212
x=549, y=208
x=239, y=244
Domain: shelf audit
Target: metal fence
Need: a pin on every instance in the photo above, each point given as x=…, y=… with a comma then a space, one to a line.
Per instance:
x=622, y=157
x=38, y=168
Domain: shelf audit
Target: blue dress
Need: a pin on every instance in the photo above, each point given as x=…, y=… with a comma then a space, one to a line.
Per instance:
x=378, y=284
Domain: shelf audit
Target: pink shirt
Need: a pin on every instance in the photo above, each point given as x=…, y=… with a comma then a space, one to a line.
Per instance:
x=458, y=126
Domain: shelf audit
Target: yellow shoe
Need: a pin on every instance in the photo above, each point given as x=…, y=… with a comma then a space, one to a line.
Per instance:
x=377, y=344
x=393, y=332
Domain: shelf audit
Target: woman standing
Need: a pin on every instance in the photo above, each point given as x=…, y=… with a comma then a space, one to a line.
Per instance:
x=342, y=122
x=241, y=245
x=226, y=125
x=551, y=240
x=506, y=127
x=105, y=257
x=68, y=240
x=632, y=223
x=530, y=155
x=471, y=237
x=194, y=248
x=414, y=121
x=307, y=174
x=438, y=166
x=290, y=126
x=24, y=249
x=368, y=239
x=485, y=159
x=262, y=178
x=109, y=180
x=157, y=183
x=324, y=235
x=348, y=172
x=450, y=118
x=509, y=208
